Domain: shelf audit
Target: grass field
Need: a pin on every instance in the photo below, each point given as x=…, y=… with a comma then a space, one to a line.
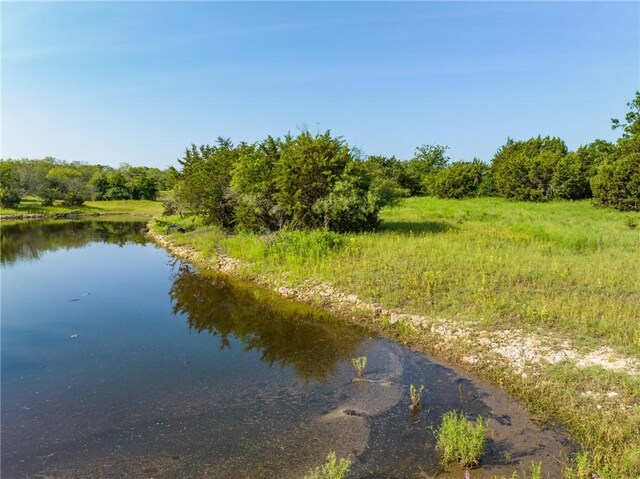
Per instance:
x=565, y=269
x=31, y=205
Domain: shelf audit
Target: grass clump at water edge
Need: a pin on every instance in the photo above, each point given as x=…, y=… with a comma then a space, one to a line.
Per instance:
x=460, y=440
x=334, y=468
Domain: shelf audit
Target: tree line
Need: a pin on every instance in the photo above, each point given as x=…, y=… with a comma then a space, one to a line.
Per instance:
x=318, y=181
x=74, y=183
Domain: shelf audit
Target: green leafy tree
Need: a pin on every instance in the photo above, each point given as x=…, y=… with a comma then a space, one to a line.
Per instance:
x=573, y=173
x=66, y=183
x=617, y=183
x=254, y=187
x=307, y=170
x=426, y=162
x=204, y=184
x=9, y=196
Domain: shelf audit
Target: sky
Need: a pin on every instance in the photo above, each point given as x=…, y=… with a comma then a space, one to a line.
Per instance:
x=138, y=82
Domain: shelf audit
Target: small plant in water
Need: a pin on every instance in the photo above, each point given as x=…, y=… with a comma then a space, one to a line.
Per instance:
x=416, y=396
x=332, y=469
x=460, y=440
x=359, y=363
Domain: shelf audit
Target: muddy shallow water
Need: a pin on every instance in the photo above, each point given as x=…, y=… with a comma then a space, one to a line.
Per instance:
x=120, y=361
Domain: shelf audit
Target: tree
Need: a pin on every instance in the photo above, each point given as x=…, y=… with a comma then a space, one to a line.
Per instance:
x=632, y=126
x=307, y=170
x=427, y=160
x=204, y=184
x=617, y=183
x=573, y=173
x=9, y=196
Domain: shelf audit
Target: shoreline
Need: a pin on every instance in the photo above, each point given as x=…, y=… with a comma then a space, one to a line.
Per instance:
x=550, y=377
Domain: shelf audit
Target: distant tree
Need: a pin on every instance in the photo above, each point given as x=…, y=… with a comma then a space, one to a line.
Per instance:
x=9, y=195
x=66, y=183
x=388, y=173
x=631, y=127
x=427, y=160
x=573, y=173
x=617, y=183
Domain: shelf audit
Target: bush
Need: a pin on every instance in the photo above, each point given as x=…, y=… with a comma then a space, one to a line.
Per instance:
x=461, y=180
x=573, y=173
x=617, y=184
x=523, y=170
x=460, y=440
x=303, y=182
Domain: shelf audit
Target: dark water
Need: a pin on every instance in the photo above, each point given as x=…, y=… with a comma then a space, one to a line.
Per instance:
x=120, y=361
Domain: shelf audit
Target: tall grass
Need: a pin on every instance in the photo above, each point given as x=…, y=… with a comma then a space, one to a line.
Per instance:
x=562, y=265
x=566, y=268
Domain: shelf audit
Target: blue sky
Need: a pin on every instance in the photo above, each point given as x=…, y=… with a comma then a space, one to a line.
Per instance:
x=137, y=82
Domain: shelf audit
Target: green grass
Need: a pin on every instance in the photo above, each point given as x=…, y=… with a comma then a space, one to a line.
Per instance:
x=565, y=265
x=31, y=205
x=460, y=440
x=565, y=268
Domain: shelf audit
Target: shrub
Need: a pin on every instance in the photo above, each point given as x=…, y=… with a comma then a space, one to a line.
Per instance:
x=523, y=170
x=617, y=184
x=460, y=440
x=332, y=469
x=573, y=173
x=460, y=180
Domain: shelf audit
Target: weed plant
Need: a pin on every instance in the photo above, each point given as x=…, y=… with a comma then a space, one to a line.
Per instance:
x=460, y=440
x=359, y=363
x=332, y=469
x=416, y=396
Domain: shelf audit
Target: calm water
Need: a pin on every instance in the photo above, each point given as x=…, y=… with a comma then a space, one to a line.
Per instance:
x=120, y=361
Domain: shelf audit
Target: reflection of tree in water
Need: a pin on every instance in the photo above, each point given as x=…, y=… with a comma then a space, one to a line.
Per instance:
x=30, y=239
x=287, y=333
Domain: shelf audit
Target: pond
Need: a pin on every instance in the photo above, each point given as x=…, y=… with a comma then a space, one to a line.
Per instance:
x=118, y=360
